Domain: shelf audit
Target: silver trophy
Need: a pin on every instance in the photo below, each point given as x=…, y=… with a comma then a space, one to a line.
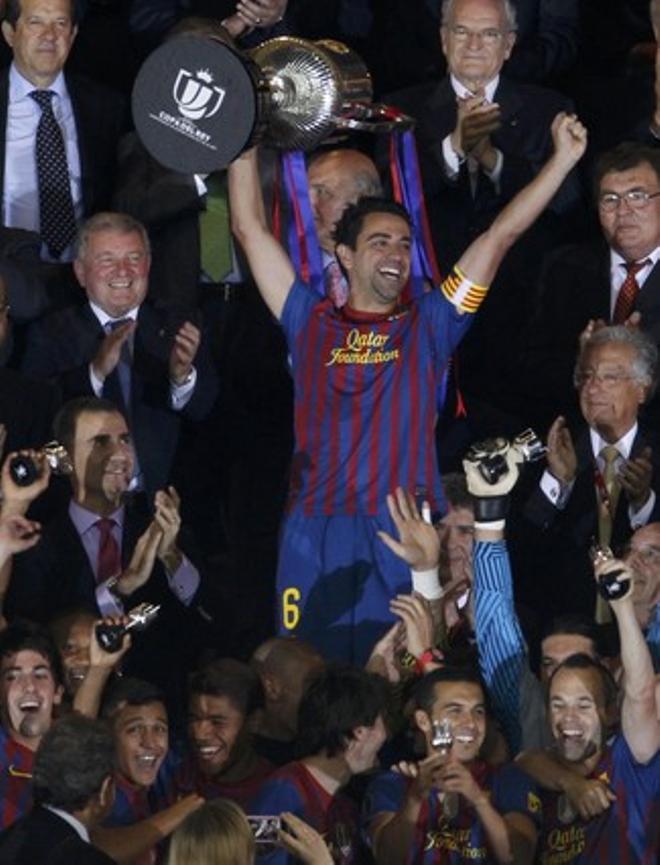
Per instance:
x=198, y=102
x=442, y=740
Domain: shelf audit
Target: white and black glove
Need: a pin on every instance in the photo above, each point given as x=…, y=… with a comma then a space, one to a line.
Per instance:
x=492, y=468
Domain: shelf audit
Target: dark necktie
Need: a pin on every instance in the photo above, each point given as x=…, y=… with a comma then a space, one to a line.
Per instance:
x=122, y=370
x=628, y=291
x=108, y=563
x=57, y=221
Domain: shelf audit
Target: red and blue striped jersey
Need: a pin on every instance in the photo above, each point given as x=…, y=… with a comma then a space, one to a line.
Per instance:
x=293, y=788
x=459, y=839
x=131, y=805
x=624, y=834
x=15, y=779
x=365, y=396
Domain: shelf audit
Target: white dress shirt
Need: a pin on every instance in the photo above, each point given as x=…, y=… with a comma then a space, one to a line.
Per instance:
x=618, y=273
x=559, y=493
x=452, y=160
x=20, y=194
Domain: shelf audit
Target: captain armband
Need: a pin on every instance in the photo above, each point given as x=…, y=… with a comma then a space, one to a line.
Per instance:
x=462, y=293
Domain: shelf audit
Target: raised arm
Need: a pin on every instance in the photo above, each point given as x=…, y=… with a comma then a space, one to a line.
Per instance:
x=482, y=258
x=639, y=718
x=270, y=265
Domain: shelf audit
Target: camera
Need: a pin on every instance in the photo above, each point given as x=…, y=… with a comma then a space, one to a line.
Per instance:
x=109, y=637
x=24, y=470
x=265, y=828
x=609, y=586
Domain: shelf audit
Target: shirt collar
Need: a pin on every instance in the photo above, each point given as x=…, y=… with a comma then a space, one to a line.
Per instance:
x=624, y=445
x=617, y=262
x=20, y=87
x=84, y=519
x=80, y=828
x=104, y=318
x=462, y=92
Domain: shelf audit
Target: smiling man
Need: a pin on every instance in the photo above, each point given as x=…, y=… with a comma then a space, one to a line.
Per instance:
x=601, y=478
x=105, y=552
x=452, y=806
x=148, y=361
x=221, y=760
x=30, y=689
x=601, y=792
x=366, y=379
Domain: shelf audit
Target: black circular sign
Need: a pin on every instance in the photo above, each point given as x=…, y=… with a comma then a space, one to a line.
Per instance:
x=195, y=104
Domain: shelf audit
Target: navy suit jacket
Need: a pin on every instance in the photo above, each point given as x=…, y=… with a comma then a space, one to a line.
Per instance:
x=100, y=118
x=574, y=286
x=457, y=216
x=56, y=576
x=61, y=346
x=46, y=838
x=550, y=547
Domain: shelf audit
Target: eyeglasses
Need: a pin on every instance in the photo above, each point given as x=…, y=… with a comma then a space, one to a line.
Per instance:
x=606, y=380
x=489, y=36
x=637, y=199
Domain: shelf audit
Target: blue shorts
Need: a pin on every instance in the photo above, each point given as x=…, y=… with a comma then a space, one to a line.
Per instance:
x=335, y=580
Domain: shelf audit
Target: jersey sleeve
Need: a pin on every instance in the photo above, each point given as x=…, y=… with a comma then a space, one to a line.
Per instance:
x=274, y=797
x=515, y=791
x=298, y=306
x=384, y=794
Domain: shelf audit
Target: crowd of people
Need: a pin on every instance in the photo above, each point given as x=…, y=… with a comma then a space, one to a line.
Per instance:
x=305, y=557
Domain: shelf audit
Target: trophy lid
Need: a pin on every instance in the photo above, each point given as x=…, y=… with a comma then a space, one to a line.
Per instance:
x=195, y=104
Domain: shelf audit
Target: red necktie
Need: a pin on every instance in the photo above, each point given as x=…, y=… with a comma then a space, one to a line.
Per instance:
x=335, y=284
x=108, y=563
x=628, y=291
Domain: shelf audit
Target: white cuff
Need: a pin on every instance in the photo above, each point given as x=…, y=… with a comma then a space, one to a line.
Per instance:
x=427, y=583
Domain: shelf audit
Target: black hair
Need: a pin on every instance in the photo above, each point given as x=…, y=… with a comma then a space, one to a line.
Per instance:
x=337, y=701
x=623, y=157
x=129, y=692
x=351, y=222
x=64, y=425
x=73, y=760
x=454, y=486
x=231, y=679
x=26, y=636
x=575, y=625
x=13, y=12
x=424, y=695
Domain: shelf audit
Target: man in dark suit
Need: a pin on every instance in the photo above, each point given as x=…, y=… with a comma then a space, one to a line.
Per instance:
x=599, y=487
x=146, y=359
x=73, y=792
x=583, y=282
x=89, y=120
x=481, y=138
x=104, y=551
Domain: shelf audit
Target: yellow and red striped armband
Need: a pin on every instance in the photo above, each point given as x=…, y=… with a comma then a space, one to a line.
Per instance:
x=465, y=295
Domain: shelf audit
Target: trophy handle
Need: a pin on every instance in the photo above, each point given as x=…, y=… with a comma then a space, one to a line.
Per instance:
x=373, y=117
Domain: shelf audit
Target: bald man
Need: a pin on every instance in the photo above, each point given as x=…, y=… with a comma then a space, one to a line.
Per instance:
x=285, y=666
x=336, y=179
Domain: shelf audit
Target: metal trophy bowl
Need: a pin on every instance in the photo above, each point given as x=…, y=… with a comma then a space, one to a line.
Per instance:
x=199, y=102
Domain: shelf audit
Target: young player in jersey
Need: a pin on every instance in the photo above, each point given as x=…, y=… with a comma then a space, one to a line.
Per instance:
x=136, y=713
x=600, y=802
x=340, y=730
x=30, y=689
x=365, y=379
x=452, y=807
x=221, y=761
